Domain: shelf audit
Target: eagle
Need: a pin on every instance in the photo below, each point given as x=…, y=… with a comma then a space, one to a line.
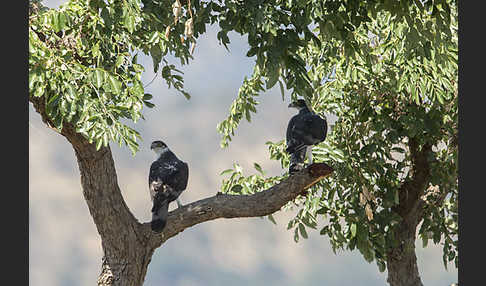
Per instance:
x=167, y=180
x=304, y=130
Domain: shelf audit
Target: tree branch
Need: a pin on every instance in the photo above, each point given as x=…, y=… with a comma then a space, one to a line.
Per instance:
x=411, y=191
x=234, y=206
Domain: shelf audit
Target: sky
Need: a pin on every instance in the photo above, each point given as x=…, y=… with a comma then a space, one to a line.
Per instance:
x=65, y=248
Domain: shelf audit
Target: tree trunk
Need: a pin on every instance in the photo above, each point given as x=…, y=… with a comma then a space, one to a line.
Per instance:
x=401, y=260
x=125, y=241
x=126, y=254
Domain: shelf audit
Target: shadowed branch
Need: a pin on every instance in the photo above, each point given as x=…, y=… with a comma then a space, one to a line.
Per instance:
x=234, y=206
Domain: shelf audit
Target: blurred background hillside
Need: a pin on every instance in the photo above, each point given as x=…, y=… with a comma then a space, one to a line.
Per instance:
x=64, y=246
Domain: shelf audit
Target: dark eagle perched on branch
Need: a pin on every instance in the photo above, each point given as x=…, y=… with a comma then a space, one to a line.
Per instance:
x=167, y=179
x=305, y=129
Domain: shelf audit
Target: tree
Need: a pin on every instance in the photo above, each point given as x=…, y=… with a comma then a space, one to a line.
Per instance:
x=388, y=72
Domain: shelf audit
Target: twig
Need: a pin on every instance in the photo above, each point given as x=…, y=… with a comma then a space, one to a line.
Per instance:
x=150, y=81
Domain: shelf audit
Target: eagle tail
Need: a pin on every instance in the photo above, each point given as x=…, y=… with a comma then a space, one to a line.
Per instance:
x=297, y=160
x=160, y=210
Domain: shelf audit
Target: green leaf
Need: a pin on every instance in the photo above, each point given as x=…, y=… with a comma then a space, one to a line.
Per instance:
x=63, y=107
x=105, y=139
x=258, y=168
x=58, y=122
x=115, y=85
x=354, y=74
x=97, y=78
x=324, y=230
x=133, y=148
x=444, y=260
x=134, y=59
x=353, y=230
x=238, y=168
x=95, y=50
x=120, y=59
x=322, y=210
x=98, y=144
x=440, y=97
x=236, y=188
x=63, y=20
x=156, y=54
x=129, y=23
x=226, y=172
x=273, y=78
x=282, y=90
x=425, y=241
x=381, y=265
x=154, y=38
x=149, y=104
x=302, y=230
x=272, y=219
x=291, y=224
x=55, y=21
x=252, y=52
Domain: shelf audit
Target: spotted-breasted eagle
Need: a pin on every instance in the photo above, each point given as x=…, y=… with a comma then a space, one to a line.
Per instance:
x=167, y=179
x=304, y=130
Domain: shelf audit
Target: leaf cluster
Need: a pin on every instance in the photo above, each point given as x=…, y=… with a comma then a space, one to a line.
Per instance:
x=392, y=79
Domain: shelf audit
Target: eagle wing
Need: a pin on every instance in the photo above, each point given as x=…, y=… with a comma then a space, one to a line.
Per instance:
x=168, y=179
x=316, y=126
x=305, y=130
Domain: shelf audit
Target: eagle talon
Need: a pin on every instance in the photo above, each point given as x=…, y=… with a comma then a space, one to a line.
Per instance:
x=295, y=168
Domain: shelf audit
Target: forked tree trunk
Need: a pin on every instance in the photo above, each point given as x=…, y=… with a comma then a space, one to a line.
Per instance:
x=401, y=260
x=125, y=252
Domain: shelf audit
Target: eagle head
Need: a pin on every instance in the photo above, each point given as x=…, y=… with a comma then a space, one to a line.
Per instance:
x=299, y=104
x=158, y=147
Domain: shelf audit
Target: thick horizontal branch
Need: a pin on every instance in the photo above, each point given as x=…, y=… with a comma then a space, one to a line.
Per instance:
x=234, y=206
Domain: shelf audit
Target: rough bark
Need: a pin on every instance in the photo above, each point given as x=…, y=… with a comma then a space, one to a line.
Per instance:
x=125, y=252
x=128, y=245
x=234, y=206
x=401, y=260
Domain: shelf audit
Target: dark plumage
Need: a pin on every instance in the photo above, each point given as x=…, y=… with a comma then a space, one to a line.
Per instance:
x=167, y=179
x=304, y=130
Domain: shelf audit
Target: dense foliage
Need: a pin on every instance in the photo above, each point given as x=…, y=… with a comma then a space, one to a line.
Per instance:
x=390, y=80
x=386, y=69
x=83, y=61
